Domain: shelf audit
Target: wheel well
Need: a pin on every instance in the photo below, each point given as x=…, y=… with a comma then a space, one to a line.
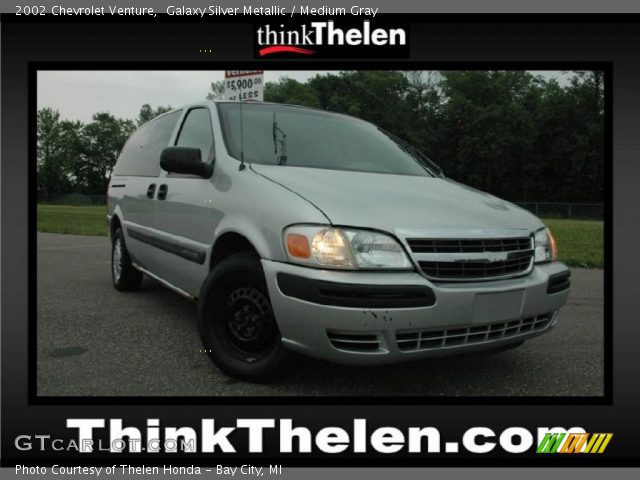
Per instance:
x=114, y=225
x=229, y=244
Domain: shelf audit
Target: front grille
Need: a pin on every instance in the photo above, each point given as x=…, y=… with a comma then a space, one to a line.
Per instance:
x=428, y=245
x=472, y=259
x=475, y=270
x=354, y=342
x=409, y=341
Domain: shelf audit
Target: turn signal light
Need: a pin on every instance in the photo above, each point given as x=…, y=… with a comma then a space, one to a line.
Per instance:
x=298, y=246
x=554, y=247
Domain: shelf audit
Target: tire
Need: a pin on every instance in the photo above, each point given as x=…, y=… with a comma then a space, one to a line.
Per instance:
x=125, y=277
x=236, y=322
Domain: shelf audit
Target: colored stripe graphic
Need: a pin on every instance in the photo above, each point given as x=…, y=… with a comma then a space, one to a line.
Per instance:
x=550, y=443
x=598, y=442
x=284, y=48
x=574, y=443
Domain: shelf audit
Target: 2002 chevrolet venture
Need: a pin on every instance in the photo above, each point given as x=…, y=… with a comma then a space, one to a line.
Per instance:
x=302, y=230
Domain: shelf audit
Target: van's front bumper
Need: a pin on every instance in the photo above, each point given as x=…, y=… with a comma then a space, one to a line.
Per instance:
x=376, y=318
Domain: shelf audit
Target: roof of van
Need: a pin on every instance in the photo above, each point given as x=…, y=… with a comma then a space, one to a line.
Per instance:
x=214, y=102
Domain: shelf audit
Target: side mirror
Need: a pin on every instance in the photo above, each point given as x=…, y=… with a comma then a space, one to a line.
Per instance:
x=185, y=160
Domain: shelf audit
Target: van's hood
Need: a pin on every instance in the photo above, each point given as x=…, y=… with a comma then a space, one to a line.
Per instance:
x=398, y=202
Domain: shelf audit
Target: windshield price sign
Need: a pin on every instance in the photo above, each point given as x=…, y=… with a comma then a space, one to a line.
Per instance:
x=241, y=85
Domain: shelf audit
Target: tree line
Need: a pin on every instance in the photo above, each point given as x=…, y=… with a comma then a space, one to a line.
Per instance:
x=514, y=134
x=77, y=157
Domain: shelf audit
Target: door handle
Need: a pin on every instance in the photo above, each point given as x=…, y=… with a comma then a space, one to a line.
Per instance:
x=162, y=191
x=151, y=190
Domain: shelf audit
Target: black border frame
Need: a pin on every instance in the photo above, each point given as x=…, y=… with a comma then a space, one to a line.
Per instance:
x=404, y=64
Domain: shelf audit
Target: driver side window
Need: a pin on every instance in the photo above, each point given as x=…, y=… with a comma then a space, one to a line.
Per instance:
x=197, y=132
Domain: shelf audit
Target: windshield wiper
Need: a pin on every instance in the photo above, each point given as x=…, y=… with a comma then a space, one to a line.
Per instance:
x=282, y=158
x=431, y=166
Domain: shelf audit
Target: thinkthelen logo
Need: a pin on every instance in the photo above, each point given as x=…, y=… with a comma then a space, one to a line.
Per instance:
x=329, y=39
x=95, y=435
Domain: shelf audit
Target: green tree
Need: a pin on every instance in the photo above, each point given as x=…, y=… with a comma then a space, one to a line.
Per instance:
x=105, y=137
x=569, y=139
x=424, y=99
x=486, y=123
x=217, y=91
x=288, y=90
x=51, y=160
x=74, y=142
x=147, y=113
x=511, y=133
x=376, y=96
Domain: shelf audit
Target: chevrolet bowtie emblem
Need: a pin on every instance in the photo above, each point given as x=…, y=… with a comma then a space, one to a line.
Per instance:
x=496, y=256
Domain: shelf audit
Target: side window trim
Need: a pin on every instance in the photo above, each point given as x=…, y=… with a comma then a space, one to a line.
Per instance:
x=212, y=155
x=134, y=137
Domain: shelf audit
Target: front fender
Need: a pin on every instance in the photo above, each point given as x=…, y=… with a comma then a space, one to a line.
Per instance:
x=266, y=240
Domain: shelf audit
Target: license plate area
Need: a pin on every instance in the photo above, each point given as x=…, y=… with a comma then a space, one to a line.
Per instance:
x=497, y=307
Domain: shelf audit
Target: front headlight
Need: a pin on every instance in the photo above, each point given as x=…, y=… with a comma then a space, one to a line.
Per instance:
x=348, y=248
x=546, y=249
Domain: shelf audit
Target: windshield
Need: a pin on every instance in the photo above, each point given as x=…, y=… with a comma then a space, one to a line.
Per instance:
x=302, y=137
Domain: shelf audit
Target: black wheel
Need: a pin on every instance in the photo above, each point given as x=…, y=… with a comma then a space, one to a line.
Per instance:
x=125, y=276
x=236, y=322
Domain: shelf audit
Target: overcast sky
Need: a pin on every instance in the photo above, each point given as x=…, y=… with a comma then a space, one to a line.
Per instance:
x=77, y=95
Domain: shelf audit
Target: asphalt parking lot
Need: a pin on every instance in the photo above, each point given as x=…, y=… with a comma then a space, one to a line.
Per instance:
x=94, y=340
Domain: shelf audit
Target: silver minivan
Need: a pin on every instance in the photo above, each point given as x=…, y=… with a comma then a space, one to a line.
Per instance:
x=302, y=230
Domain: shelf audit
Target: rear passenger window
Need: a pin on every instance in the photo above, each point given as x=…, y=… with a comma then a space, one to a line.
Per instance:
x=141, y=154
x=196, y=132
